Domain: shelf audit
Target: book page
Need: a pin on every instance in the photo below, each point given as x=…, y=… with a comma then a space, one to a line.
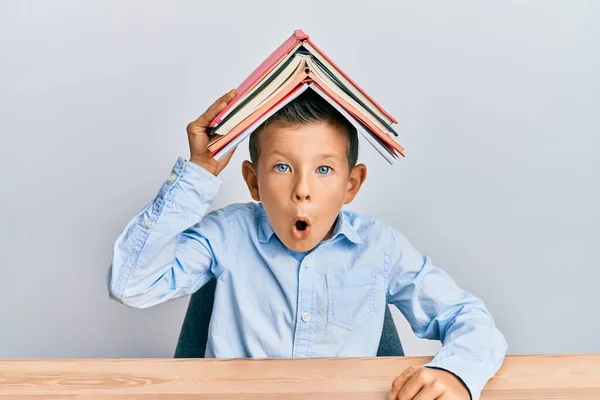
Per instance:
x=235, y=142
x=296, y=66
x=347, y=83
x=382, y=149
x=314, y=68
x=262, y=80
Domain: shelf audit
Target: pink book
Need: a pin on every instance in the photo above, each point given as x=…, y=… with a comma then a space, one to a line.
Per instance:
x=297, y=37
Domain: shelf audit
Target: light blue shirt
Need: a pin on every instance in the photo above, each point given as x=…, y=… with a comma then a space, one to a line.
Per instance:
x=273, y=302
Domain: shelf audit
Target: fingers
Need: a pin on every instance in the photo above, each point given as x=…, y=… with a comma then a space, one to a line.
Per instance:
x=417, y=383
x=428, y=393
x=411, y=388
x=402, y=380
x=205, y=119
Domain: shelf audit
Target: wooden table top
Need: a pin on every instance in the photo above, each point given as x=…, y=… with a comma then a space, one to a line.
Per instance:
x=521, y=377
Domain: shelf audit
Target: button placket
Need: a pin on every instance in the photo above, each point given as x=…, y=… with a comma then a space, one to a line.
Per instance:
x=303, y=333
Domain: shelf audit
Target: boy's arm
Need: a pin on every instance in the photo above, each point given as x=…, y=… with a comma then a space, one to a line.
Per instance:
x=473, y=349
x=172, y=246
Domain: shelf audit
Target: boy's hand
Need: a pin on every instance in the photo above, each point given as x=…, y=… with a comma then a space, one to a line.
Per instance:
x=199, y=139
x=420, y=383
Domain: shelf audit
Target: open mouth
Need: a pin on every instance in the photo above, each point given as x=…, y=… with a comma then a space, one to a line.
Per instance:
x=301, y=228
x=301, y=225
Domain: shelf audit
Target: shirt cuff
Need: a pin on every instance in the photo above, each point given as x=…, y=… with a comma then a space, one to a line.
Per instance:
x=191, y=186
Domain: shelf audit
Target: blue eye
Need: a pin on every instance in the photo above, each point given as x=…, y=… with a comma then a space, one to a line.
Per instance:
x=282, y=168
x=324, y=170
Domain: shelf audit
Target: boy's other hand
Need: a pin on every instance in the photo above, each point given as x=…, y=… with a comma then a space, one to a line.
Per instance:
x=420, y=383
x=199, y=139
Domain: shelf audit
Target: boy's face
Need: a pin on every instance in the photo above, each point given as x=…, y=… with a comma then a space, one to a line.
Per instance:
x=303, y=180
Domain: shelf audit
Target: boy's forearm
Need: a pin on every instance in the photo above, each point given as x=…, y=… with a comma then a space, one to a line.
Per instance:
x=472, y=347
x=438, y=309
x=141, y=273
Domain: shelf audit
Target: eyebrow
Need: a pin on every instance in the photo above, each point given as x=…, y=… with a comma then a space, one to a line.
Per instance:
x=322, y=156
x=331, y=155
x=277, y=153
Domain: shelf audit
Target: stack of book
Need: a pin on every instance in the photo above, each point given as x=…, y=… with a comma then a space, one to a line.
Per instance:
x=294, y=67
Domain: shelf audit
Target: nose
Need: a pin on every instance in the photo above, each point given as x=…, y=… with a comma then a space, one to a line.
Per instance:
x=302, y=188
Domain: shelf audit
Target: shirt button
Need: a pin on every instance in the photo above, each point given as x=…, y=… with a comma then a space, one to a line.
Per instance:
x=148, y=223
x=306, y=317
x=306, y=264
x=172, y=178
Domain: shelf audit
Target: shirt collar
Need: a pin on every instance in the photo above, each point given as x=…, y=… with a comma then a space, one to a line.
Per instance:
x=343, y=228
x=265, y=230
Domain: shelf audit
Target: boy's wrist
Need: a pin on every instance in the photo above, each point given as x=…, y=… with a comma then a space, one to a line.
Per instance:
x=191, y=186
x=207, y=166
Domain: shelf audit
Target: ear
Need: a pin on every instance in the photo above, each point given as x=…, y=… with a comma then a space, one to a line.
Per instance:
x=250, y=176
x=355, y=181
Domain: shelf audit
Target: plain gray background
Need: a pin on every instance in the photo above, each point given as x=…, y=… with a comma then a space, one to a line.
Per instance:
x=498, y=111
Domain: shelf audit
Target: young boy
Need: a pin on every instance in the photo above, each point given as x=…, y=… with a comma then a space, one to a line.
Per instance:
x=297, y=276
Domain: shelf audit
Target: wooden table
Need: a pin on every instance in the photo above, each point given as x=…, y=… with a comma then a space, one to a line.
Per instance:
x=521, y=377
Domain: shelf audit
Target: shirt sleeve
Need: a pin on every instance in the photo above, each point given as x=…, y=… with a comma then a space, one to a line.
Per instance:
x=173, y=246
x=473, y=349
